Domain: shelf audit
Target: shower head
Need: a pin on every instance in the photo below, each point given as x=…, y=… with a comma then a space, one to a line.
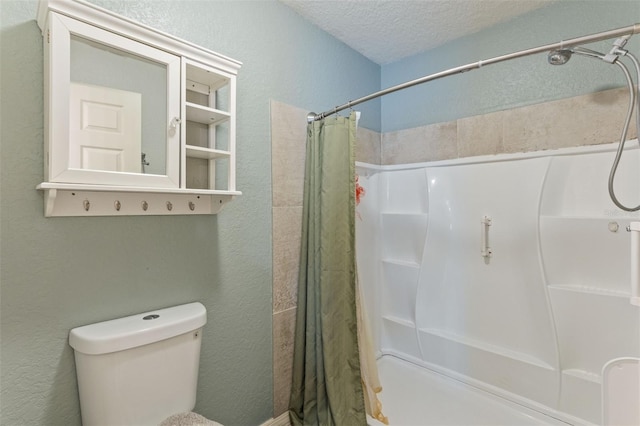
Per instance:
x=562, y=56
x=559, y=57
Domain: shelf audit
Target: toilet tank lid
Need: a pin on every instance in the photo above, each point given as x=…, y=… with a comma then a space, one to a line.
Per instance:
x=137, y=330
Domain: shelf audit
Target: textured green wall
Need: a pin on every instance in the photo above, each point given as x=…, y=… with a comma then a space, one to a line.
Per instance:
x=510, y=84
x=60, y=273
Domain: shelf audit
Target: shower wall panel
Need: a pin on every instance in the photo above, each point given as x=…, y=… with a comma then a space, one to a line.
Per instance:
x=538, y=319
x=586, y=256
x=493, y=307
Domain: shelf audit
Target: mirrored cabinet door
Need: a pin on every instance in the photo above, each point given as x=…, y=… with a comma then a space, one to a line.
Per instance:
x=114, y=108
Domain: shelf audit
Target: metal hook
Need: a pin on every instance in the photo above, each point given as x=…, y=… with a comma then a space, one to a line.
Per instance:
x=173, y=125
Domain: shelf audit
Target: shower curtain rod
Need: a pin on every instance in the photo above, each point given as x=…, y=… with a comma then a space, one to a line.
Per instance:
x=605, y=35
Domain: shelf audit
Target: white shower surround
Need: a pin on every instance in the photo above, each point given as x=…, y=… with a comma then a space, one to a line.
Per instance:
x=535, y=324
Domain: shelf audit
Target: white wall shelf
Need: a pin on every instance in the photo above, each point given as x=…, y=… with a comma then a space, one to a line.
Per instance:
x=590, y=290
x=402, y=263
x=401, y=321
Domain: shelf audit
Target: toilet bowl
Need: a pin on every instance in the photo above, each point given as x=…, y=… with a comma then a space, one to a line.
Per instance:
x=141, y=369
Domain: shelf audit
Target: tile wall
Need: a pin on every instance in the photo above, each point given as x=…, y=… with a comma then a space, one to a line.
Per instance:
x=590, y=119
x=584, y=120
x=288, y=138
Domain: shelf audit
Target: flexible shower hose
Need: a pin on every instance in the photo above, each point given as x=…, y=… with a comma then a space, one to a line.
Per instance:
x=634, y=97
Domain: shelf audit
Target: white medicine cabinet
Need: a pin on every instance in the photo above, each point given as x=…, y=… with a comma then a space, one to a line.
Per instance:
x=137, y=122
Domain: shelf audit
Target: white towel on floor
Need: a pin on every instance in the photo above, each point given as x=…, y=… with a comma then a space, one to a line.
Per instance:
x=188, y=419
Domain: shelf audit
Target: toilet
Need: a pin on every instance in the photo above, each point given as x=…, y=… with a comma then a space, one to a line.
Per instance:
x=141, y=369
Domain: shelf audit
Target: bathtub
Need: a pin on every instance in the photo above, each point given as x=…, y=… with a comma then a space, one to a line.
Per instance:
x=414, y=395
x=499, y=286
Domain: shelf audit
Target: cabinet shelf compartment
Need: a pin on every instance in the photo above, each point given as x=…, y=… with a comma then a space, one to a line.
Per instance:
x=204, y=80
x=205, y=115
x=206, y=153
x=209, y=114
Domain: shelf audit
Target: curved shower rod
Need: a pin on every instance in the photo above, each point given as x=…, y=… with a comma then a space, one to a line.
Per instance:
x=605, y=35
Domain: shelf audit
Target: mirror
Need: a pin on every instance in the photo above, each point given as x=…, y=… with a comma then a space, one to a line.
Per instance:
x=112, y=102
x=118, y=110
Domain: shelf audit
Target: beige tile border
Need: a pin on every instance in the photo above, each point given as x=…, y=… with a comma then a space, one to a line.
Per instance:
x=591, y=119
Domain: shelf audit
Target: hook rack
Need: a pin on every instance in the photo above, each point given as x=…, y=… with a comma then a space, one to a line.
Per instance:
x=96, y=200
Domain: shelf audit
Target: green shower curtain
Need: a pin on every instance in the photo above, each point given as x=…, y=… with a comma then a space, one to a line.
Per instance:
x=326, y=387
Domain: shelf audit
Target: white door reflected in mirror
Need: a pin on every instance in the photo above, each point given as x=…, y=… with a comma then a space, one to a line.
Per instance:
x=105, y=129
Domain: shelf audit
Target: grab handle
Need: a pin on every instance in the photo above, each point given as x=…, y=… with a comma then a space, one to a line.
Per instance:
x=485, y=250
x=634, y=228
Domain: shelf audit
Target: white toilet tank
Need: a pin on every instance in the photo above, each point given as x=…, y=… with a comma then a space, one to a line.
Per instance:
x=140, y=369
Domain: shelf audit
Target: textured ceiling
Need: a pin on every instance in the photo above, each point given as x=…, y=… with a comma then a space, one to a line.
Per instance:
x=388, y=30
